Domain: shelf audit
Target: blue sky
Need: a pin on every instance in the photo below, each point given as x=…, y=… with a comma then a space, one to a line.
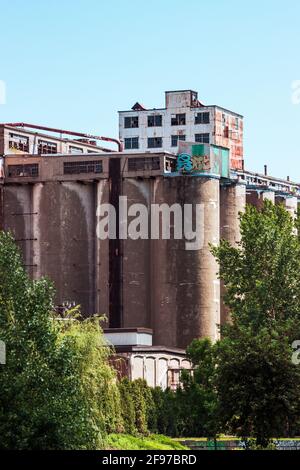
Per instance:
x=74, y=64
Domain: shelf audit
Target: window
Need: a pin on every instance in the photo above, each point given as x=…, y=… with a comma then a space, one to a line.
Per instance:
x=237, y=123
x=154, y=142
x=75, y=150
x=177, y=119
x=75, y=168
x=175, y=138
x=23, y=170
x=131, y=143
x=45, y=147
x=131, y=121
x=155, y=120
x=141, y=164
x=19, y=142
x=202, y=118
x=202, y=138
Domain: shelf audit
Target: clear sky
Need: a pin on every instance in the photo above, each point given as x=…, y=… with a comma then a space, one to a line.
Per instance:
x=75, y=63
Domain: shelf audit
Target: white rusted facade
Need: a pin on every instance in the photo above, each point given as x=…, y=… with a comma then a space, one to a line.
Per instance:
x=183, y=118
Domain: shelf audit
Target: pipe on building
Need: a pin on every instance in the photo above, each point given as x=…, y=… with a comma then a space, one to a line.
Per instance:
x=63, y=131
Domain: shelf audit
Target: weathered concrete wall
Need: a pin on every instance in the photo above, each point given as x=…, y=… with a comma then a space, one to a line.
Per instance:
x=136, y=266
x=232, y=203
x=290, y=203
x=186, y=296
x=54, y=223
x=257, y=197
x=18, y=218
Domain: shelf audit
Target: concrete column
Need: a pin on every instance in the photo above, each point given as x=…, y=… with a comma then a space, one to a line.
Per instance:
x=136, y=259
x=256, y=197
x=101, y=254
x=186, y=303
x=290, y=203
x=232, y=203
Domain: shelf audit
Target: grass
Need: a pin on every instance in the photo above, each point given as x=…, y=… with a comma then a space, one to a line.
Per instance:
x=151, y=442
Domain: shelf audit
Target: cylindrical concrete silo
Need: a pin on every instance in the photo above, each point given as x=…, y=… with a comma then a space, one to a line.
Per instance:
x=232, y=203
x=256, y=197
x=186, y=287
x=290, y=203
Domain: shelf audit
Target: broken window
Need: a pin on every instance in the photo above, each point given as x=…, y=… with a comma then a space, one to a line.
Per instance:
x=76, y=167
x=202, y=138
x=177, y=119
x=23, y=170
x=202, y=118
x=141, y=164
x=155, y=120
x=19, y=142
x=154, y=142
x=45, y=147
x=131, y=122
x=175, y=138
x=131, y=143
x=75, y=150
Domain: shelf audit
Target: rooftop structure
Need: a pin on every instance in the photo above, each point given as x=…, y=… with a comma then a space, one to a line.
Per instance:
x=23, y=138
x=184, y=118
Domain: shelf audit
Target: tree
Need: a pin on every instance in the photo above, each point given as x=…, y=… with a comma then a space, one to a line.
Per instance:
x=197, y=398
x=262, y=274
x=56, y=380
x=258, y=385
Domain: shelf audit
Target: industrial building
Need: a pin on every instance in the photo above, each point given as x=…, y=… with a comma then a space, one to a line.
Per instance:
x=156, y=294
x=184, y=118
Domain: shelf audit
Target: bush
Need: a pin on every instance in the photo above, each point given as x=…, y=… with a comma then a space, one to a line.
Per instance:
x=57, y=389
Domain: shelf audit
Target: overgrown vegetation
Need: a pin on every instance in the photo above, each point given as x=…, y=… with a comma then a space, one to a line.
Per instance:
x=151, y=442
x=57, y=389
x=59, y=392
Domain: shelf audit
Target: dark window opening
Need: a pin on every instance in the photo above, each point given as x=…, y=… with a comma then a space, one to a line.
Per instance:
x=202, y=138
x=19, y=142
x=155, y=120
x=23, y=170
x=141, y=164
x=178, y=120
x=131, y=122
x=175, y=139
x=45, y=147
x=202, y=118
x=75, y=168
x=131, y=143
x=154, y=142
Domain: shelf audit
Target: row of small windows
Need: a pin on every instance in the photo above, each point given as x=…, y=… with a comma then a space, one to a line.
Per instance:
x=132, y=143
x=131, y=122
x=44, y=147
x=70, y=168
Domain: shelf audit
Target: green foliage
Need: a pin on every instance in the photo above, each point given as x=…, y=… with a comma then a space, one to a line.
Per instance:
x=152, y=442
x=262, y=274
x=137, y=406
x=197, y=398
x=127, y=407
x=166, y=408
x=56, y=387
x=258, y=386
